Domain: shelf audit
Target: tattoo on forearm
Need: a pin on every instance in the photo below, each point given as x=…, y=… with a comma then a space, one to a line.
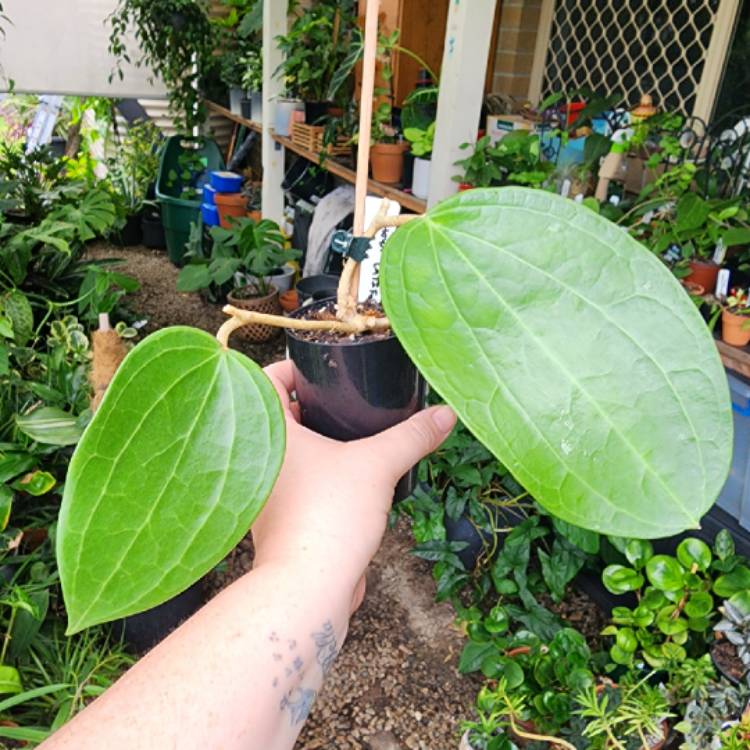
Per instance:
x=325, y=646
x=298, y=703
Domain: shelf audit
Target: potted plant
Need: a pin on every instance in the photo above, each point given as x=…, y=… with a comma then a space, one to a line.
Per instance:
x=242, y=265
x=315, y=49
x=731, y=651
x=421, y=147
x=735, y=325
x=387, y=150
x=479, y=168
x=132, y=170
x=706, y=717
x=252, y=83
x=630, y=716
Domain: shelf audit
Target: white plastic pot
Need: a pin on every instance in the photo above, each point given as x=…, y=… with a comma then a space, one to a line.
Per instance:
x=283, y=119
x=283, y=280
x=235, y=100
x=256, y=97
x=420, y=183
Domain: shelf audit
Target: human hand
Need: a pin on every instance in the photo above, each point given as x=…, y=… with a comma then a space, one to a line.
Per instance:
x=329, y=507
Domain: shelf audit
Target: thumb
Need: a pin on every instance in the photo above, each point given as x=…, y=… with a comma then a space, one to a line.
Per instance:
x=402, y=446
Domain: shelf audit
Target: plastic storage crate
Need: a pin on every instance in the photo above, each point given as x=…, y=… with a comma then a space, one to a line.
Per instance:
x=735, y=496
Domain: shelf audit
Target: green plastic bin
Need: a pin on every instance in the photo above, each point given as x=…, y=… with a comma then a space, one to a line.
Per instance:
x=177, y=214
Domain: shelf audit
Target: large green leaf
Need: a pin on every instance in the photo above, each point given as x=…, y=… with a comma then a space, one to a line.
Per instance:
x=173, y=469
x=570, y=351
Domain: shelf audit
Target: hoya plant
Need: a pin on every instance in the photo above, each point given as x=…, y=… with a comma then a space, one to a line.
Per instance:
x=565, y=346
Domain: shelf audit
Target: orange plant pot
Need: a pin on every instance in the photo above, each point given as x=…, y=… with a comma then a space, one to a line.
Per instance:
x=289, y=300
x=733, y=330
x=387, y=162
x=230, y=205
x=254, y=215
x=703, y=273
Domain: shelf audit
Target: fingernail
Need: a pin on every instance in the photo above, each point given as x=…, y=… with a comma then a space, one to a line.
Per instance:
x=444, y=418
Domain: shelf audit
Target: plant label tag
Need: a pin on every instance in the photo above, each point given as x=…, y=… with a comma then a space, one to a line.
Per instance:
x=565, y=189
x=369, y=274
x=719, y=252
x=722, y=284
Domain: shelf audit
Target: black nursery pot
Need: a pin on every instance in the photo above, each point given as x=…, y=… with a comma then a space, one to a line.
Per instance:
x=246, y=108
x=153, y=231
x=349, y=390
x=315, y=112
x=131, y=233
x=143, y=631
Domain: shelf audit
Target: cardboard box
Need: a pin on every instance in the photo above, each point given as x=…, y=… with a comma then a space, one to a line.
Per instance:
x=499, y=126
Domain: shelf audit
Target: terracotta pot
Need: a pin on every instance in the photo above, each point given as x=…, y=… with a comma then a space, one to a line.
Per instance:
x=703, y=273
x=735, y=329
x=254, y=215
x=464, y=186
x=230, y=205
x=289, y=300
x=257, y=333
x=387, y=161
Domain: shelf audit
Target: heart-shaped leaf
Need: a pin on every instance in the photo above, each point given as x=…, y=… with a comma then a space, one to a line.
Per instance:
x=169, y=475
x=570, y=351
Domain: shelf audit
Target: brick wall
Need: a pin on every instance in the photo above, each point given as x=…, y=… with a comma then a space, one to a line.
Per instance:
x=519, y=21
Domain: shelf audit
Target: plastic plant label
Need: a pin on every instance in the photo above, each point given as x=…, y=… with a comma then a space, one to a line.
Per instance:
x=369, y=274
x=571, y=352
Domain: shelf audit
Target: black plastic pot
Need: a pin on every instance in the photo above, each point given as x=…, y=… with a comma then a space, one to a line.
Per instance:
x=350, y=390
x=153, y=231
x=143, y=631
x=315, y=112
x=131, y=233
x=408, y=177
x=246, y=108
x=319, y=287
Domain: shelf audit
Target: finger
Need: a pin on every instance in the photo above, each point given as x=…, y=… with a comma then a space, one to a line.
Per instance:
x=402, y=446
x=281, y=375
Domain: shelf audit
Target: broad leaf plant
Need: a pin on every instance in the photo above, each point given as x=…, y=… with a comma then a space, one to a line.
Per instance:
x=564, y=345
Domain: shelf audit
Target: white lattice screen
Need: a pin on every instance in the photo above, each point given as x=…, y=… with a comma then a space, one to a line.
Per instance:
x=629, y=47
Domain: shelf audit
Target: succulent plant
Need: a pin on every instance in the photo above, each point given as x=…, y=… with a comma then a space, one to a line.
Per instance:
x=706, y=718
x=735, y=626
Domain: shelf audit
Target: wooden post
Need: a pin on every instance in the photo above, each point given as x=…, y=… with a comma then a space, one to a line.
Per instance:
x=274, y=24
x=716, y=56
x=467, y=45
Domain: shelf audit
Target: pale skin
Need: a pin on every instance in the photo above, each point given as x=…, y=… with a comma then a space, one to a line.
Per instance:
x=242, y=674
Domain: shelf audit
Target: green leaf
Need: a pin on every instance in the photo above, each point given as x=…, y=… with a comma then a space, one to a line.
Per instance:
x=619, y=579
x=175, y=466
x=738, y=580
x=193, y=277
x=50, y=425
x=35, y=483
x=694, y=552
x=638, y=552
x=741, y=600
x=665, y=573
x=699, y=605
x=6, y=505
x=18, y=309
x=626, y=640
x=10, y=680
x=669, y=622
x=29, y=695
x=723, y=544
x=586, y=540
x=473, y=655
x=570, y=351
x=13, y=464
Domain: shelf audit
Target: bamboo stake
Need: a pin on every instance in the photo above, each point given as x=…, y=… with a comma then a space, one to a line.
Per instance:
x=348, y=288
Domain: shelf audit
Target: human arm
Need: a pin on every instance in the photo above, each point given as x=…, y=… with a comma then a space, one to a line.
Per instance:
x=243, y=671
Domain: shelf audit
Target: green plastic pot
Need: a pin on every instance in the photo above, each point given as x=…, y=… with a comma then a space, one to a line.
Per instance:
x=177, y=214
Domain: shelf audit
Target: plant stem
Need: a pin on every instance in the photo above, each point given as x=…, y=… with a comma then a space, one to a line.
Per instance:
x=539, y=737
x=6, y=640
x=241, y=318
x=414, y=56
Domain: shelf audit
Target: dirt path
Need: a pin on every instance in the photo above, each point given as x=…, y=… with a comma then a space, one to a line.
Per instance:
x=394, y=685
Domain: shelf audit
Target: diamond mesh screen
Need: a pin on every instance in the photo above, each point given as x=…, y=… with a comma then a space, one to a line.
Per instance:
x=630, y=47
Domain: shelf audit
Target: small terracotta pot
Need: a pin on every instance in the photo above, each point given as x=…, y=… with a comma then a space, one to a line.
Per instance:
x=257, y=333
x=735, y=329
x=696, y=290
x=254, y=215
x=289, y=300
x=387, y=161
x=703, y=273
x=464, y=186
x=230, y=205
